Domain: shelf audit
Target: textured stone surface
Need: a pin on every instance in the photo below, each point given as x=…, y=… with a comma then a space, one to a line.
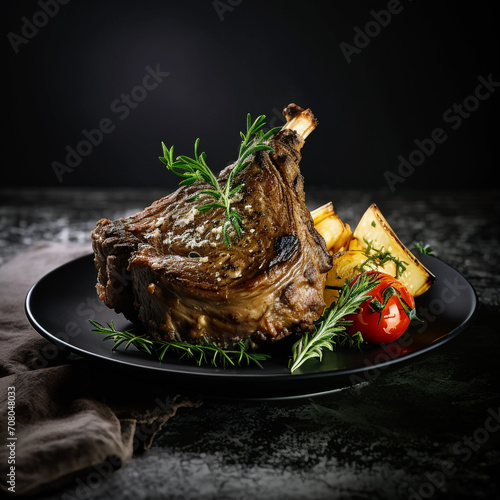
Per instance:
x=428, y=429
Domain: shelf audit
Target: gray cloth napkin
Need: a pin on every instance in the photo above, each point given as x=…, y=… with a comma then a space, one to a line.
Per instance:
x=70, y=421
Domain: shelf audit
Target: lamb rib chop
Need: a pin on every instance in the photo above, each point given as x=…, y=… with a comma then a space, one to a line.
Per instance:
x=169, y=268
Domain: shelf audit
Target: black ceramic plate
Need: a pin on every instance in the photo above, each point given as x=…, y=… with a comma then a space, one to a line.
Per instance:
x=60, y=305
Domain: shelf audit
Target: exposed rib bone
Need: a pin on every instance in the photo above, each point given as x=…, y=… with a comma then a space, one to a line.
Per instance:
x=299, y=119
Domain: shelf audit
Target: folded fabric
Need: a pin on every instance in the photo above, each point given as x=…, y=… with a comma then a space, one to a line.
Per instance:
x=62, y=418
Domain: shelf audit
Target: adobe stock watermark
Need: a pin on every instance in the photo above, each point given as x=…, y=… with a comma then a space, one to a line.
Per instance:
x=451, y=290
x=31, y=27
x=11, y=443
x=363, y=37
x=277, y=119
x=86, y=486
x=121, y=107
x=375, y=367
x=453, y=118
x=223, y=6
x=464, y=450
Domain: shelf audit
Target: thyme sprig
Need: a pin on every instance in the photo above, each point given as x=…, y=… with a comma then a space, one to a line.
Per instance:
x=330, y=328
x=379, y=257
x=196, y=169
x=204, y=353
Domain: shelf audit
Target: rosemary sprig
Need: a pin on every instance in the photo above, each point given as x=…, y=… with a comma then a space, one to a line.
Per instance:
x=204, y=353
x=380, y=257
x=330, y=328
x=196, y=169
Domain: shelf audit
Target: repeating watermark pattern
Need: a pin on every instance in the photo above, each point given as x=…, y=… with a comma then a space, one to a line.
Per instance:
x=86, y=486
x=450, y=292
x=121, y=107
x=364, y=36
x=11, y=439
x=376, y=366
x=31, y=27
x=223, y=6
x=464, y=450
x=453, y=117
x=277, y=119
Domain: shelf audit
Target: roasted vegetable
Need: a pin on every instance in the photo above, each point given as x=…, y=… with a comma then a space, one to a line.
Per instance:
x=335, y=232
x=347, y=265
x=373, y=234
x=372, y=247
x=385, y=315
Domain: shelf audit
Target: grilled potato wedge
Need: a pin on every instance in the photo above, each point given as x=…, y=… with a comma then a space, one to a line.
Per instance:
x=351, y=250
x=346, y=265
x=336, y=233
x=374, y=229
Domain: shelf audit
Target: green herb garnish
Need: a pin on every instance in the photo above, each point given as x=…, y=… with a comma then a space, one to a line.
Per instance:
x=379, y=257
x=330, y=328
x=387, y=294
x=424, y=249
x=328, y=332
x=196, y=169
x=203, y=353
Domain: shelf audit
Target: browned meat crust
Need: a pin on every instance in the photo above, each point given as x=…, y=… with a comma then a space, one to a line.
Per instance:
x=168, y=267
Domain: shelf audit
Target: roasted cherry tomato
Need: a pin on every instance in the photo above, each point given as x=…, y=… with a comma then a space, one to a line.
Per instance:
x=386, y=314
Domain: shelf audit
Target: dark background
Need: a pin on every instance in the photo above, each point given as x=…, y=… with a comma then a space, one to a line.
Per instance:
x=232, y=57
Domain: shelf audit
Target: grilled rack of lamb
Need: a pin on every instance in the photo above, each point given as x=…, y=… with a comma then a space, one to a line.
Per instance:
x=168, y=267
